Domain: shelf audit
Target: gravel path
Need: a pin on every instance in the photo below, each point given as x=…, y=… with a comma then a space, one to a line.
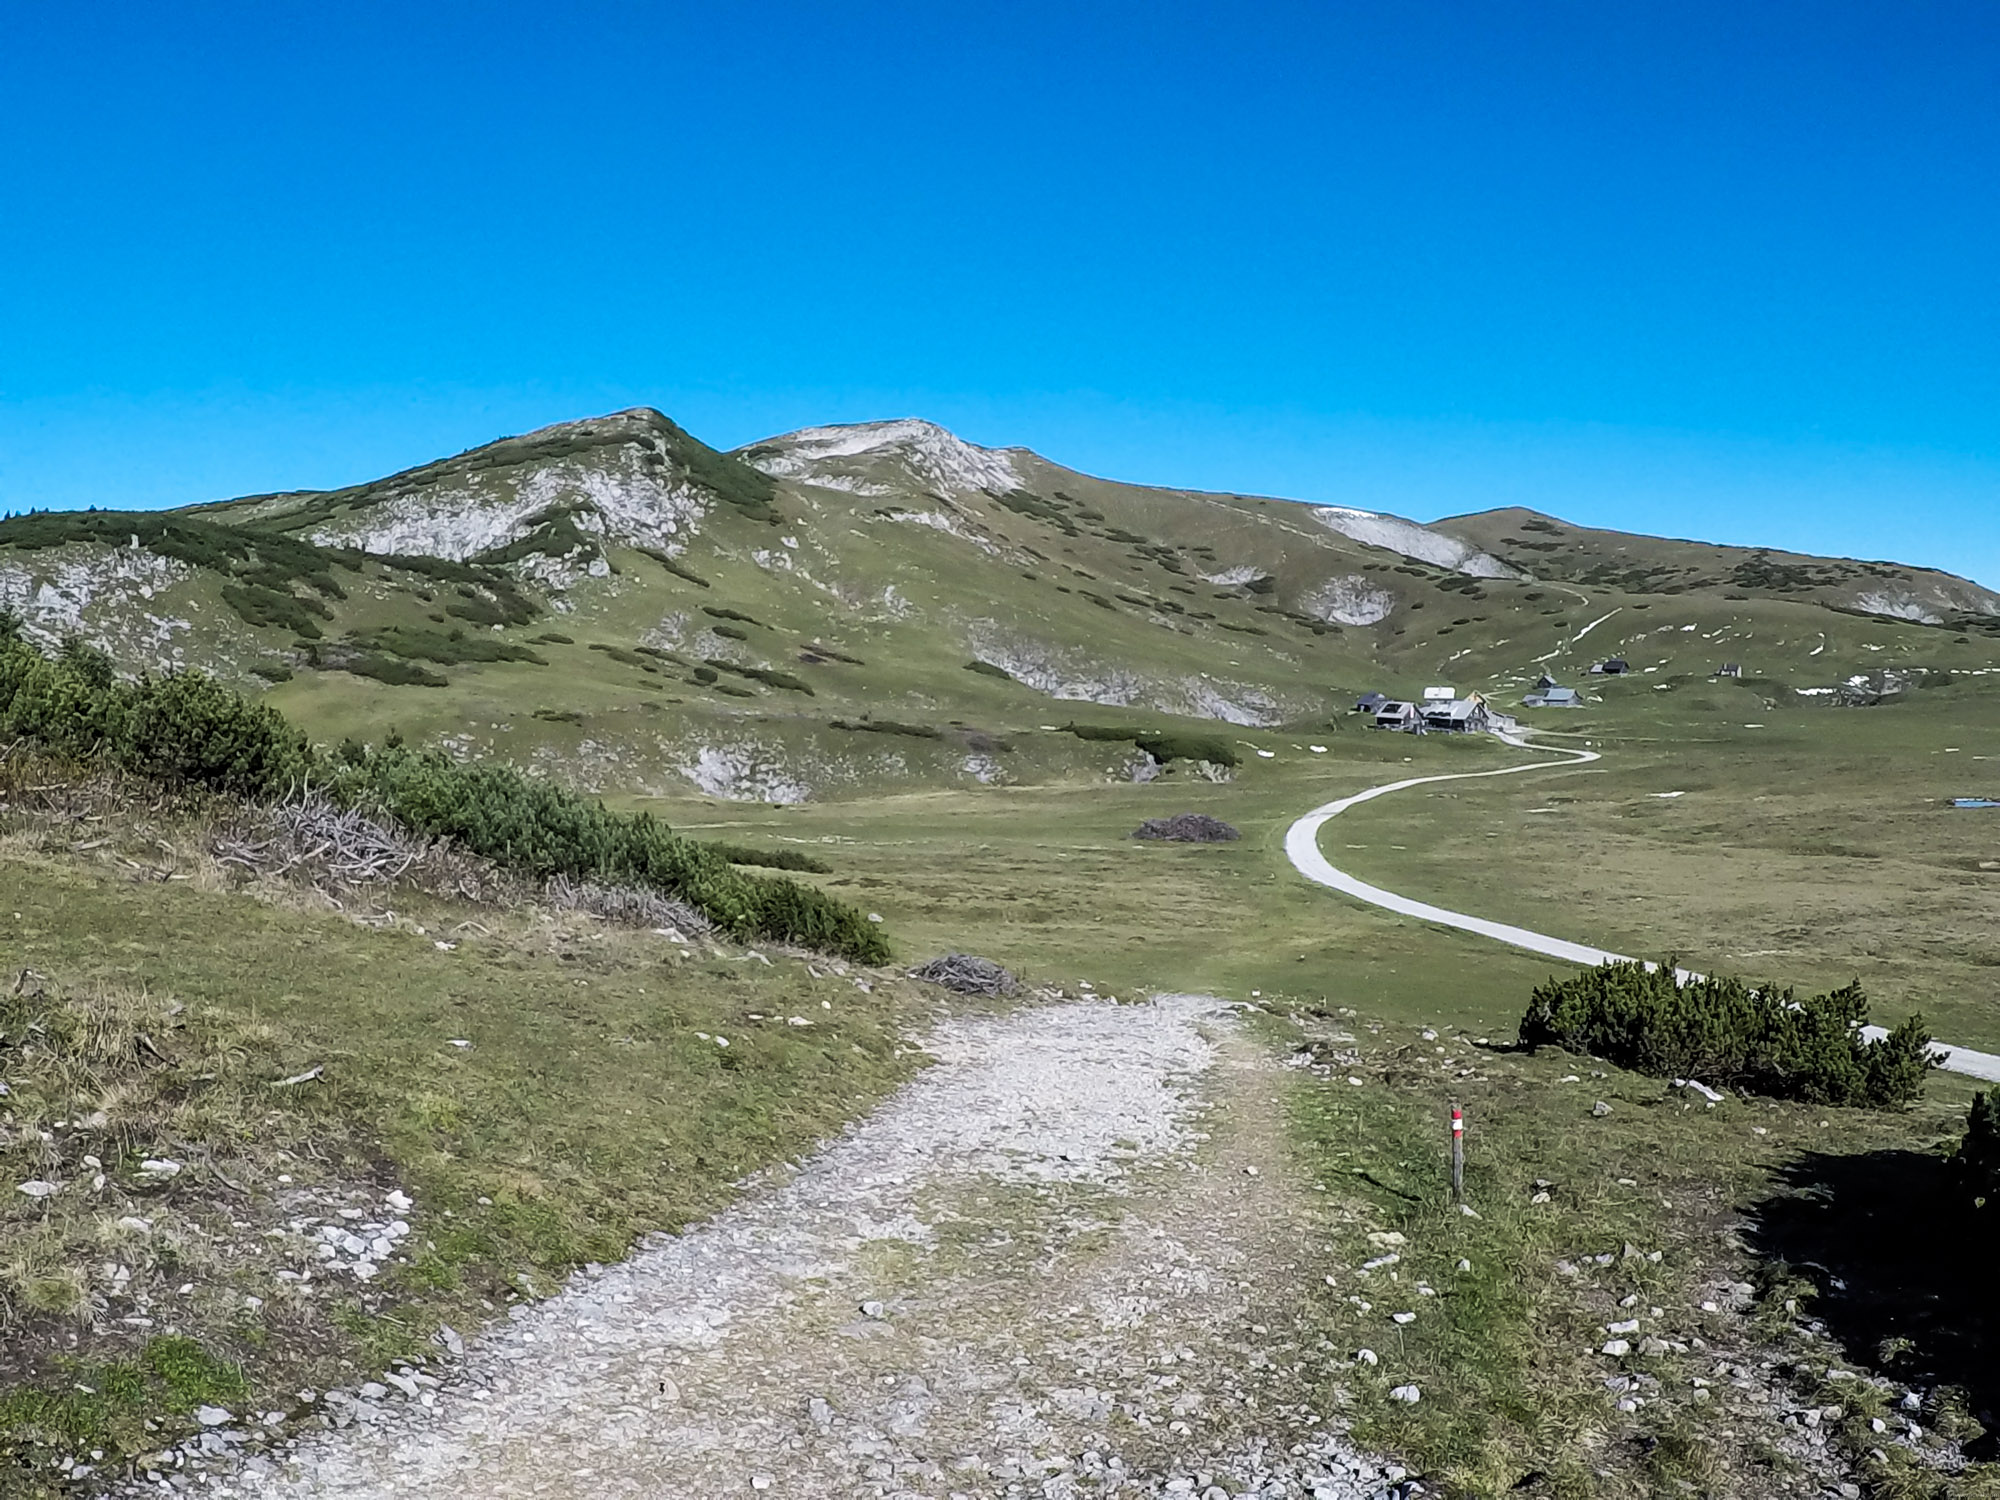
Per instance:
x=1055, y=1264
x=1302, y=849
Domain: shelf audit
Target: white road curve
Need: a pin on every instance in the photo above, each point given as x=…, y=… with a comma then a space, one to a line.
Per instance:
x=1302, y=849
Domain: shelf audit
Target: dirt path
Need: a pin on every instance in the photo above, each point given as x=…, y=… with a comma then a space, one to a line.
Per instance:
x=1302, y=849
x=1061, y=1262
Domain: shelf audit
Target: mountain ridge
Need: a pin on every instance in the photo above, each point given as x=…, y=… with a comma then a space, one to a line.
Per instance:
x=617, y=602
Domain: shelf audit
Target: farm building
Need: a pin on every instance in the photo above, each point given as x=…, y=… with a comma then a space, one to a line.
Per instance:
x=1370, y=703
x=1553, y=696
x=1616, y=666
x=1439, y=694
x=1397, y=715
x=1731, y=669
x=1459, y=716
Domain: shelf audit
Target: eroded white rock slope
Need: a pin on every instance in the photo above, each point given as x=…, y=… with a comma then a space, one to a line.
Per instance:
x=1018, y=1277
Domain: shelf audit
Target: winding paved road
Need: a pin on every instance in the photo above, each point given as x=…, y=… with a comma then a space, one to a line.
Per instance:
x=1302, y=848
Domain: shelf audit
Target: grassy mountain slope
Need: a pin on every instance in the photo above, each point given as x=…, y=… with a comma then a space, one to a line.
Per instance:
x=883, y=605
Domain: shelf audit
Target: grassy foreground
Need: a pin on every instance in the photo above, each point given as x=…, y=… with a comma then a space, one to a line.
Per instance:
x=521, y=1091
x=1740, y=1241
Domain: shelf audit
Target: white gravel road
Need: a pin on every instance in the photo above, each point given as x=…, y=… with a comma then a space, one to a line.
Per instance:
x=1302, y=848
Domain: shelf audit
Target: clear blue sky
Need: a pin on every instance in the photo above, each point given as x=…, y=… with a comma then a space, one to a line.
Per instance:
x=1721, y=270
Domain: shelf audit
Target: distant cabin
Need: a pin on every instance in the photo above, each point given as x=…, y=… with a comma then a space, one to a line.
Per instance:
x=1543, y=682
x=1731, y=669
x=1370, y=703
x=1397, y=715
x=1460, y=716
x=1439, y=694
x=1552, y=696
x=1617, y=666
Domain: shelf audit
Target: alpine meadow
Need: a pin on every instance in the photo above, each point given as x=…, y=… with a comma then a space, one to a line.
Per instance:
x=600, y=965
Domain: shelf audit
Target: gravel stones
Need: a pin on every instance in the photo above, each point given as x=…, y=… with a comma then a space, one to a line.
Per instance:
x=1187, y=828
x=965, y=1204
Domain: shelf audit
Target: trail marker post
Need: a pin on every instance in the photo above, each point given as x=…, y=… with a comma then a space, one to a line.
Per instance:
x=1457, y=1154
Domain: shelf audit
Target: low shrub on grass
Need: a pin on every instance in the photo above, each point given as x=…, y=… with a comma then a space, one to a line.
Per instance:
x=496, y=811
x=678, y=569
x=394, y=670
x=987, y=669
x=1162, y=745
x=1976, y=1166
x=187, y=730
x=889, y=726
x=1729, y=1033
x=446, y=648
x=771, y=859
x=764, y=675
x=183, y=729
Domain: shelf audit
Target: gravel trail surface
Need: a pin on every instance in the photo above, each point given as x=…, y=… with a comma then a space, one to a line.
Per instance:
x=1063, y=1261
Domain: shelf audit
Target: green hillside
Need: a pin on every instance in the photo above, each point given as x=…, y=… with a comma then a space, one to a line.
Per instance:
x=884, y=607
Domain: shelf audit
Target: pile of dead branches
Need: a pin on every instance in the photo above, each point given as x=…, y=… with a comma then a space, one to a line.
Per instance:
x=1187, y=828
x=633, y=905
x=315, y=836
x=968, y=975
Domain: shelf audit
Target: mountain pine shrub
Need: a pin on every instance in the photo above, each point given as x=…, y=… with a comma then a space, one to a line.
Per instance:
x=187, y=730
x=1732, y=1035
x=1976, y=1167
x=496, y=811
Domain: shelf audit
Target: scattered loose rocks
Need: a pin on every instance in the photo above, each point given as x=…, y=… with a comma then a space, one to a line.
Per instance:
x=1075, y=1296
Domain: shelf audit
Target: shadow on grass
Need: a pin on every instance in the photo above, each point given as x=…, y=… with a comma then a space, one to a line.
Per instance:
x=1904, y=1277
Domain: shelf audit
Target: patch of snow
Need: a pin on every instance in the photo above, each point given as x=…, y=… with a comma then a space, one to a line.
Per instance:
x=1349, y=600
x=1408, y=539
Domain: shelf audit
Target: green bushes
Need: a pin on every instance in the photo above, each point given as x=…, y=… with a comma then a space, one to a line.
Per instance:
x=1727, y=1033
x=1975, y=1169
x=498, y=812
x=678, y=569
x=987, y=669
x=889, y=726
x=764, y=675
x=771, y=859
x=187, y=730
x=1162, y=745
x=397, y=671
x=447, y=649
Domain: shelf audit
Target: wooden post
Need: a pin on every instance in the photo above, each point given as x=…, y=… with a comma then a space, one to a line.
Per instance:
x=1457, y=1155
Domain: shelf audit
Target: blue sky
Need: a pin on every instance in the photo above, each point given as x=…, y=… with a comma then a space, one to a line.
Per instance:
x=1710, y=270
